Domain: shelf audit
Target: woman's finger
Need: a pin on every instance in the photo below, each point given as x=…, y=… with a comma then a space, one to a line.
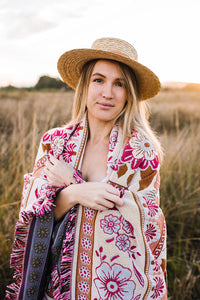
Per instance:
x=61, y=159
x=116, y=199
x=48, y=165
x=52, y=168
x=111, y=189
x=106, y=203
x=51, y=177
x=52, y=159
x=48, y=174
x=100, y=207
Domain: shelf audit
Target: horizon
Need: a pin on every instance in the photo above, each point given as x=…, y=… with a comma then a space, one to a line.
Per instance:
x=165, y=84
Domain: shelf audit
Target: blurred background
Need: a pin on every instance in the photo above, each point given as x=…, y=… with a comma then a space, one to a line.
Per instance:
x=33, y=34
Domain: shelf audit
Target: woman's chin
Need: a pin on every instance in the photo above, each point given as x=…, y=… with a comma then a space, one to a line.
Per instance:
x=102, y=116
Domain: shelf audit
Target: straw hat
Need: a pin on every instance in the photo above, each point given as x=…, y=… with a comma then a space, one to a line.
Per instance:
x=71, y=63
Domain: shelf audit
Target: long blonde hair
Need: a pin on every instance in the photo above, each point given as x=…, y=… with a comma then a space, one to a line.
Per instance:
x=135, y=113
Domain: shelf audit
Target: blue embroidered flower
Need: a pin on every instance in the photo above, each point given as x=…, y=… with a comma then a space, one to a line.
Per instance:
x=40, y=247
x=57, y=249
x=34, y=276
x=36, y=261
x=46, y=218
x=42, y=232
x=31, y=291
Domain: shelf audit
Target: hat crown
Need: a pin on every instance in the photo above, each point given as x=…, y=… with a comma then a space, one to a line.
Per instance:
x=116, y=46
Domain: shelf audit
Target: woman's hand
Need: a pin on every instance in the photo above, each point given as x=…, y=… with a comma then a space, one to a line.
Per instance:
x=95, y=195
x=58, y=172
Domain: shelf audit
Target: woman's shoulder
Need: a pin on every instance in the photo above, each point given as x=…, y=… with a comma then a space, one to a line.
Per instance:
x=54, y=140
x=141, y=150
x=141, y=140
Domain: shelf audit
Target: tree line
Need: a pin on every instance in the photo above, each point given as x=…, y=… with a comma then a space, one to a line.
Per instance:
x=44, y=83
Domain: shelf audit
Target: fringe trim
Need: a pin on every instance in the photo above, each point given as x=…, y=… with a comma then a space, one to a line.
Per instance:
x=17, y=258
x=62, y=286
x=45, y=202
x=13, y=293
x=43, y=205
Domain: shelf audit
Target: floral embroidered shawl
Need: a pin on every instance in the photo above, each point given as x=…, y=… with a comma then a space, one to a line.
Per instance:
x=115, y=254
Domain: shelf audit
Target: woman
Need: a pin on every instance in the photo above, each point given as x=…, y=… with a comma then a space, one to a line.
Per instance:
x=90, y=224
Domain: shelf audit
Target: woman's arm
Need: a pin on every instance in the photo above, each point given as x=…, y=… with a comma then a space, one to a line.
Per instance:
x=95, y=195
x=58, y=172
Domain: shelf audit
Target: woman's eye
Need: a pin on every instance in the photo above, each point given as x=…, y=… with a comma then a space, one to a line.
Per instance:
x=119, y=83
x=99, y=80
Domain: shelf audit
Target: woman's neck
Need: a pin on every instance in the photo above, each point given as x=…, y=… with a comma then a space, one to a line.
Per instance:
x=99, y=131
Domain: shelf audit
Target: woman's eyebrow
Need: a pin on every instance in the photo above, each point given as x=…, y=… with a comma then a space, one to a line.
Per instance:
x=99, y=74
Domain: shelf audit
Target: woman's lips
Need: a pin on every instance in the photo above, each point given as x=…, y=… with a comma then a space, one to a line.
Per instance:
x=105, y=105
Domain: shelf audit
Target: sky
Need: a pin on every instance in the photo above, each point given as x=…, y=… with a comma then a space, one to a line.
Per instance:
x=34, y=33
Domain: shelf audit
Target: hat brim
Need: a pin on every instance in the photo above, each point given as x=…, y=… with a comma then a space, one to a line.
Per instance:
x=70, y=65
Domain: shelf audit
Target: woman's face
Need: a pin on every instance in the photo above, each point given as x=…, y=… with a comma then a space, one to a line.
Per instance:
x=106, y=92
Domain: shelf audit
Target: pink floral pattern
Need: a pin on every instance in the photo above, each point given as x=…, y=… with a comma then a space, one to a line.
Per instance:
x=86, y=238
x=26, y=180
x=57, y=146
x=159, y=288
x=89, y=213
x=82, y=297
x=113, y=164
x=46, y=137
x=157, y=266
x=83, y=287
x=44, y=191
x=58, y=140
x=110, y=224
x=86, y=243
x=84, y=272
x=140, y=152
x=87, y=228
x=152, y=207
x=151, y=232
x=128, y=227
x=85, y=259
x=78, y=129
x=122, y=242
x=113, y=282
x=113, y=140
x=69, y=151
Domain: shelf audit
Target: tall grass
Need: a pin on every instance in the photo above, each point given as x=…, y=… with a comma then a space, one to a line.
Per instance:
x=25, y=116
x=180, y=195
x=176, y=116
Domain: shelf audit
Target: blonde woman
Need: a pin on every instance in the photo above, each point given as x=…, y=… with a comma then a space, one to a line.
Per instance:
x=90, y=224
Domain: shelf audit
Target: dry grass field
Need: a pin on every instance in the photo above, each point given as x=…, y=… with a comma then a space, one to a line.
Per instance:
x=175, y=115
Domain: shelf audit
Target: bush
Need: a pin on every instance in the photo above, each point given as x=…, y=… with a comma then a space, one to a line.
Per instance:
x=46, y=82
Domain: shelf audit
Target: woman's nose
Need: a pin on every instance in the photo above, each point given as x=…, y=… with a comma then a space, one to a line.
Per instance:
x=107, y=91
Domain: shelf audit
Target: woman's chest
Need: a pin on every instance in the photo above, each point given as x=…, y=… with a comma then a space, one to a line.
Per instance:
x=94, y=163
